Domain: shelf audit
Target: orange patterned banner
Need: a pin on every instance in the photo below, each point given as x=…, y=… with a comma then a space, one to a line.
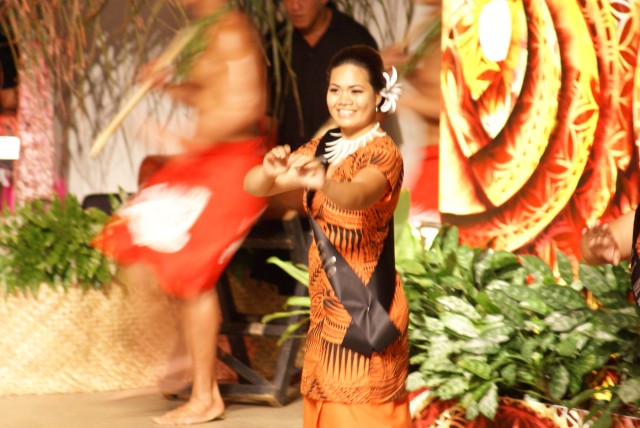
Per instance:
x=538, y=138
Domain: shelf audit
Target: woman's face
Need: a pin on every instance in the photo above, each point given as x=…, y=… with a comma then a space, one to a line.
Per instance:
x=351, y=100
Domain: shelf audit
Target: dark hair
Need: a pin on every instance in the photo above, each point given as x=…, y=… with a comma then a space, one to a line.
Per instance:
x=362, y=56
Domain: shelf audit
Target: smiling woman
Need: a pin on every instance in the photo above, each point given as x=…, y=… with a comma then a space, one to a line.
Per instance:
x=356, y=356
x=351, y=103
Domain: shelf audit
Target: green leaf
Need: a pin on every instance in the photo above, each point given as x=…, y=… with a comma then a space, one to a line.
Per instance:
x=564, y=267
x=434, y=381
x=451, y=241
x=415, y=381
x=535, y=305
x=298, y=301
x=594, y=281
x=465, y=256
x=505, y=305
x=297, y=272
x=278, y=315
x=458, y=324
x=476, y=366
x=571, y=344
x=536, y=267
x=623, y=318
x=591, y=358
x=559, y=382
x=455, y=388
x=503, y=259
x=520, y=293
x=439, y=365
x=459, y=306
x=561, y=322
x=561, y=297
x=441, y=347
x=481, y=346
x=508, y=373
x=497, y=333
x=629, y=391
x=488, y=404
x=482, y=270
x=51, y=245
x=486, y=304
x=529, y=347
x=471, y=405
x=291, y=329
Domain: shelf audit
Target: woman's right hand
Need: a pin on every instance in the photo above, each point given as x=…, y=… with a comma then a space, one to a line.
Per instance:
x=276, y=161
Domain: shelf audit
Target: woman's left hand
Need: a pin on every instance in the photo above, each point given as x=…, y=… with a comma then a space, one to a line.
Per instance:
x=311, y=172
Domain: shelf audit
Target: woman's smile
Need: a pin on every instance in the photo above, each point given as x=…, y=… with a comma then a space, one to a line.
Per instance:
x=351, y=100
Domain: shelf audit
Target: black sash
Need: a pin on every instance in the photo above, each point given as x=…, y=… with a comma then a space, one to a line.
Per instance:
x=635, y=262
x=370, y=328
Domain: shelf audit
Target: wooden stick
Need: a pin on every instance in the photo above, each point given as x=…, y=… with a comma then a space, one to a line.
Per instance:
x=165, y=59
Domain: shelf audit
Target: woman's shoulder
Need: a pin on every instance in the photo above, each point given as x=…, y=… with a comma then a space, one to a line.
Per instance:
x=384, y=143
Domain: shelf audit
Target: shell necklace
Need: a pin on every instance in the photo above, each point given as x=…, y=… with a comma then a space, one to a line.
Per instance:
x=338, y=150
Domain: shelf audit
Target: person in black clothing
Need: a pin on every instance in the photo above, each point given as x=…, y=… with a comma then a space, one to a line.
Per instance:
x=320, y=31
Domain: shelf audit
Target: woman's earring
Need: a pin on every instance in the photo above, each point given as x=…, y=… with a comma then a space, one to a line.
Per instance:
x=376, y=109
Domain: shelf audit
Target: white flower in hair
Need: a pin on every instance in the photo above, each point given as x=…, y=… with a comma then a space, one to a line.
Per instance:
x=391, y=92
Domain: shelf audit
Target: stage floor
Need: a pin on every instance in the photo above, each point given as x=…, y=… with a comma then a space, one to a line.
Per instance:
x=128, y=409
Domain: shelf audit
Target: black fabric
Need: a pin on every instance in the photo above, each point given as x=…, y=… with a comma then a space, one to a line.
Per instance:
x=370, y=328
x=310, y=66
x=635, y=261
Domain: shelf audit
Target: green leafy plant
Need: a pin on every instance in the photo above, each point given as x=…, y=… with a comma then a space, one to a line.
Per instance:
x=487, y=323
x=48, y=243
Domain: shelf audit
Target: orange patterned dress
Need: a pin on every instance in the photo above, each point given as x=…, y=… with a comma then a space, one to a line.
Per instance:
x=333, y=374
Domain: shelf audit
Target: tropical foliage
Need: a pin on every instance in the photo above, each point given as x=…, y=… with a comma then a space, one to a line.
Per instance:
x=487, y=323
x=48, y=243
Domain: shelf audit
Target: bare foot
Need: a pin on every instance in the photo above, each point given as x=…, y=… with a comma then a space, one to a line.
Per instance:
x=193, y=412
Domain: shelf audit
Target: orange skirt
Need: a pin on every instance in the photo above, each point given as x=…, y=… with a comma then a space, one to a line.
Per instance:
x=322, y=414
x=189, y=219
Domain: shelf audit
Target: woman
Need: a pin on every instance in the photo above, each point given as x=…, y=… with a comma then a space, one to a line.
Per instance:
x=357, y=351
x=192, y=214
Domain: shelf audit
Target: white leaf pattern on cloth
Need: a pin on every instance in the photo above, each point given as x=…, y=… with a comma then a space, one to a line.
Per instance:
x=160, y=217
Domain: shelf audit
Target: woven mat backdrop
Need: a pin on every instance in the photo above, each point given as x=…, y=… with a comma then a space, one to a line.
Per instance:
x=62, y=342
